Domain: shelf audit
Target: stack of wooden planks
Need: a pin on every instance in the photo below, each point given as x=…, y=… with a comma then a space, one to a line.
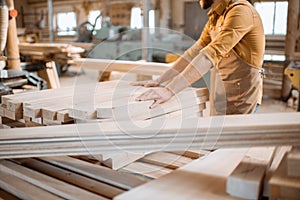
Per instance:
x=240, y=174
x=106, y=100
x=59, y=52
x=81, y=178
x=62, y=178
x=273, y=80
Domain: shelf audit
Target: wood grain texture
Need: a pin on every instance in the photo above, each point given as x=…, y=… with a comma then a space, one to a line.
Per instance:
x=168, y=135
x=246, y=181
x=47, y=183
x=200, y=179
x=97, y=172
x=283, y=186
x=293, y=162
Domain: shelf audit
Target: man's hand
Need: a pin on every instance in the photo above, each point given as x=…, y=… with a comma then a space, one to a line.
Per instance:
x=150, y=83
x=159, y=95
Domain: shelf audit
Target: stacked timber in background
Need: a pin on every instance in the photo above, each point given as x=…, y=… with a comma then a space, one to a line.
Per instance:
x=273, y=80
x=108, y=100
x=46, y=52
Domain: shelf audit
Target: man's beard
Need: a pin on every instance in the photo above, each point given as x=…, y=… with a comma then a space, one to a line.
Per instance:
x=204, y=4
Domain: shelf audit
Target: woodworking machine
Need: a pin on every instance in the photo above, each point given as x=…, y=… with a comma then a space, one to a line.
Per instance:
x=293, y=72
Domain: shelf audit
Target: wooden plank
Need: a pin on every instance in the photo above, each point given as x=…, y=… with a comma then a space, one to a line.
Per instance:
x=193, y=154
x=200, y=179
x=282, y=186
x=121, y=159
x=97, y=172
x=138, y=67
x=50, y=75
x=189, y=112
x=278, y=156
x=258, y=130
x=165, y=159
x=88, y=184
x=22, y=189
x=246, y=180
x=146, y=169
x=293, y=162
x=47, y=183
x=7, y=196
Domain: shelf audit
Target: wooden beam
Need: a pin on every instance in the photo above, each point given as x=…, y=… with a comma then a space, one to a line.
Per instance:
x=168, y=135
x=146, y=169
x=291, y=36
x=200, y=179
x=283, y=186
x=138, y=67
x=47, y=183
x=246, y=181
x=22, y=189
x=103, y=190
x=97, y=172
x=293, y=163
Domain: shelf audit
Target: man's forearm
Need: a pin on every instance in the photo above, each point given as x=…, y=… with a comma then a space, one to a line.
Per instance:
x=175, y=70
x=199, y=66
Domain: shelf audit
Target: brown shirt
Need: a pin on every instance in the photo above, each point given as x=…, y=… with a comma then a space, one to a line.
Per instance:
x=239, y=28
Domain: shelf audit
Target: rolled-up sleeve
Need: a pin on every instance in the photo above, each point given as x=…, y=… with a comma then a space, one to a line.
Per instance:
x=238, y=22
x=204, y=39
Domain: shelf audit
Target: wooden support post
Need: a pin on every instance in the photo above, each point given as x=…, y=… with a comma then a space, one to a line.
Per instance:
x=13, y=56
x=50, y=75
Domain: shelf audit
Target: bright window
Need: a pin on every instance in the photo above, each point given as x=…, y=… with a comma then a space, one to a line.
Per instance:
x=66, y=23
x=136, y=21
x=152, y=21
x=93, y=15
x=274, y=16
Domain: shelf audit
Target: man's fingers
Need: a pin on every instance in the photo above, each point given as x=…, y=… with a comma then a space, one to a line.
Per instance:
x=155, y=103
x=138, y=83
x=149, y=95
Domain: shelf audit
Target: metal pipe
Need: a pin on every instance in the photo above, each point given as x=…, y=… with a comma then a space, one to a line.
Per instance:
x=146, y=38
x=50, y=20
x=3, y=25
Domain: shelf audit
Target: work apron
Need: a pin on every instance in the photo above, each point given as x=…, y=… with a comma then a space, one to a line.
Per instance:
x=235, y=86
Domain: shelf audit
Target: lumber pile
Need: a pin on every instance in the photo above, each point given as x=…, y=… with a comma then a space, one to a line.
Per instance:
x=89, y=101
x=62, y=53
x=62, y=178
x=240, y=176
x=106, y=100
x=80, y=178
x=273, y=80
x=150, y=136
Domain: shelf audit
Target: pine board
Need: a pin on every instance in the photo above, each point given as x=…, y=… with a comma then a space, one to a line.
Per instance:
x=282, y=186
x=246, y=181
x=200, y=179
x=97, y=172
x=47, y=183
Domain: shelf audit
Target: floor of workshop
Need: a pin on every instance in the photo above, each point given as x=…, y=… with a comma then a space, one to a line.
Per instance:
x=76, y=75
